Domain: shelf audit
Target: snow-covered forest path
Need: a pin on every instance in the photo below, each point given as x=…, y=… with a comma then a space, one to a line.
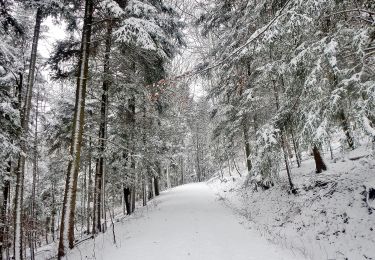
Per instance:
x=187, y=222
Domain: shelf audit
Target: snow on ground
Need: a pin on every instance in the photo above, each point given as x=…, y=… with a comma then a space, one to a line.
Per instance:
x=329, y=218
x=187, y=222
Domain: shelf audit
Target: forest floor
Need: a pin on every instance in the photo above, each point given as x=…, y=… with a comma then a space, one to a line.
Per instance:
x=186, y=222
x=328, y=218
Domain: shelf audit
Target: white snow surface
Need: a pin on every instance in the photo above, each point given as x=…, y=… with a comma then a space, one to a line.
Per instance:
x=327, y=219
x=186, y=222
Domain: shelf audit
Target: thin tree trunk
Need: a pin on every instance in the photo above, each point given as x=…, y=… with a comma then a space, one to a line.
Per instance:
x=235, y=166
x=132, y=196
x=296, y=152
x=144, y=193
x=345, y=128
x=247, y=146
x=96, y=203
x=182, y=170
x=127, y=200
x=330, y=149
x=168, y=178
x=228, y=162
x=151, y=191
x=68, y=212
x=4, y=207
x=97, y=199
x=53, y=213
x=283, y=142
x=25, y=116
x=48, y=224
x=130, y=191
x=245, y=128
x=112, y=216
x=104, y=202
x=123, y=201
x=84, y=200
x=90, y=190
x=34, y=180
x=291, y=186
x=221, y=171
x=199, y=173
x=156, y=185
x=102, y=131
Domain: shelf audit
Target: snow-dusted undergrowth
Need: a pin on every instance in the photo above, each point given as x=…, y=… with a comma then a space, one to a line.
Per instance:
x=329, y=218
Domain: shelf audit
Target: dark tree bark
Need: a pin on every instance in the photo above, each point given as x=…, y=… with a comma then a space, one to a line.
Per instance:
x=144, y=194
x=151, y=190
x=102, y=129
x=247, y=146
x=90, y=190
x=3, y=213
x=319, y=163
x=127, y=201
x=156, y=186
x=53, y=214
x=345, y=127
x=132, y=196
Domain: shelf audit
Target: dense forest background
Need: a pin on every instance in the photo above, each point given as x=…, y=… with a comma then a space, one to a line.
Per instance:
x=110, y=118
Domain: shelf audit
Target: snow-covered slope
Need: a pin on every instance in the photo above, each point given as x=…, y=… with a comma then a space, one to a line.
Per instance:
x=187, y=222
x=329, y=218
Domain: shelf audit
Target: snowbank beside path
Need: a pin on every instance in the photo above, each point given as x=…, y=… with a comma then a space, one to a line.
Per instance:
x=330, y=217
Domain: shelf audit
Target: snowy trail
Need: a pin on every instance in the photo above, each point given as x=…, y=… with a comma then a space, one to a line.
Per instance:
x=187, y=223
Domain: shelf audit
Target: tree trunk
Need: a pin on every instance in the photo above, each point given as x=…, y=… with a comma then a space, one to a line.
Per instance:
x=151, y=190
x=127, y=201
x=144, y=193
x=291, y=186
x=156, y=186
x=247, y=146
x=319, y=163
x=3, y=214
x=35, y=172
x=97, y=199
x=25, y=116
x=83, y=201
x=53, y=213
x=345, y=128
x=47, y=228
x=123, y=200
x=67, y=216
x=182, y=170
x=168, y=178
x=330, y=149
x=102, y=129
x=283, y=142
x=296, y=151
x=104, y=202
x=132, y=196
x=90, y=190
x=228, y=162
x=235, y=166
